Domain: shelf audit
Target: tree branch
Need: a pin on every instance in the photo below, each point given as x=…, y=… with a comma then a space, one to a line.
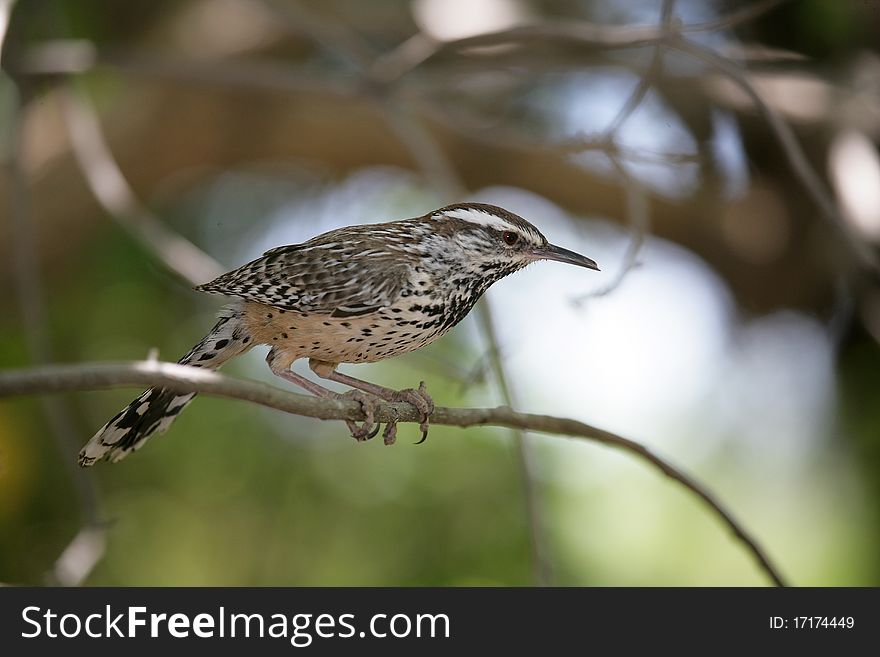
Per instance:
x=113, y=192
x=405, y=58
x=182, y=378
x=797, y=159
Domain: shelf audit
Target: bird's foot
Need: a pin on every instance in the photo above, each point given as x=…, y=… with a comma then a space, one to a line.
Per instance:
x=369, y=427
x=389, y=436
x=422, y=401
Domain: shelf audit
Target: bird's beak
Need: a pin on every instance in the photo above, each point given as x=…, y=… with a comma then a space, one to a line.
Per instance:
x=557, y=253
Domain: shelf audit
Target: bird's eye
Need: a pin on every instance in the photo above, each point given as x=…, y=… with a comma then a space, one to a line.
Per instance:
x=510, y=238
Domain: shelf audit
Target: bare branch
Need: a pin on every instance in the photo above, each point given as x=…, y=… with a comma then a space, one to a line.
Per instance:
x=333, y=36
x=405, y=59
x=803, y=170
x=636, y=199
x=182, y=378
x=80, y=557
x=638, y=213
x=394, y=64
x=112, y=190
x=423, y=148
x=646, y=81
x=500, y=137
x=581, y=33
x=528, y=466
x=418, y=49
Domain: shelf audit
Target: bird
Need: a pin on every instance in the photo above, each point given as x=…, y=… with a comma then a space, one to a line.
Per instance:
x=357, y=294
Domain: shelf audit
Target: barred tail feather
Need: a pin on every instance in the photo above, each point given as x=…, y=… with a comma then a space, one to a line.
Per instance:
x=155, y=409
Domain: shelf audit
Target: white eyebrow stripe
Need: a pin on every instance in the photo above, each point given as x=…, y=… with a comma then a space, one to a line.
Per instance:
x=481, y=218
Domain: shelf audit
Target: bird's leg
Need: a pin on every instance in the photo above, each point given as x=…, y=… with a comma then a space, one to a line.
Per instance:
x=365, y=431
x=417, y=397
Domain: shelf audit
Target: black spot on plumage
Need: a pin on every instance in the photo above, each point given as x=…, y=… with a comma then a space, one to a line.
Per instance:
x=221, y=343
x=207, y=356
x=174, y=411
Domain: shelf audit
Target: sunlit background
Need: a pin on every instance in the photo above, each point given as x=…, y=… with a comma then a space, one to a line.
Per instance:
x=732, y=329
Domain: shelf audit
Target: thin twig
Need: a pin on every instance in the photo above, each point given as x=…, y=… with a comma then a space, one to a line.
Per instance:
x=80, y=557
x=334, y=37
x=113, y=192
x=500, y=137
x=580, y=33
x=638, y=213
x=423, y=148
x=183, y=378
x=525, y=453
x=638, y=95
x=636, y=200
x=646, y=81
x=797, y=160
x=419, y=49
x=392, y=65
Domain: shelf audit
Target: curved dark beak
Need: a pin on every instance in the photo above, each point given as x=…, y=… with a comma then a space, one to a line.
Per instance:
x=557, y=253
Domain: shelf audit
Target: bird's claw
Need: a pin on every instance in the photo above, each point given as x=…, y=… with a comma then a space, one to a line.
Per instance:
x=369, y=427
x=422, y=401
x=389, y=436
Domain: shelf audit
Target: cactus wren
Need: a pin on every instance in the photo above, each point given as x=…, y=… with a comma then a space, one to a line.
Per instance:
x=353, y=295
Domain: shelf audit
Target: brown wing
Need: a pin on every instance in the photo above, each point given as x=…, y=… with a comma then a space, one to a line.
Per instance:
x=333, y=273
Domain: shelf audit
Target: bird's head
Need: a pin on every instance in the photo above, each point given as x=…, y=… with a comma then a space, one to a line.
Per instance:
x=499, y=242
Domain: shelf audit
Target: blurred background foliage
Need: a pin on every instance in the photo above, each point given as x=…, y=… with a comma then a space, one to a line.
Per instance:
x=740, y=340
